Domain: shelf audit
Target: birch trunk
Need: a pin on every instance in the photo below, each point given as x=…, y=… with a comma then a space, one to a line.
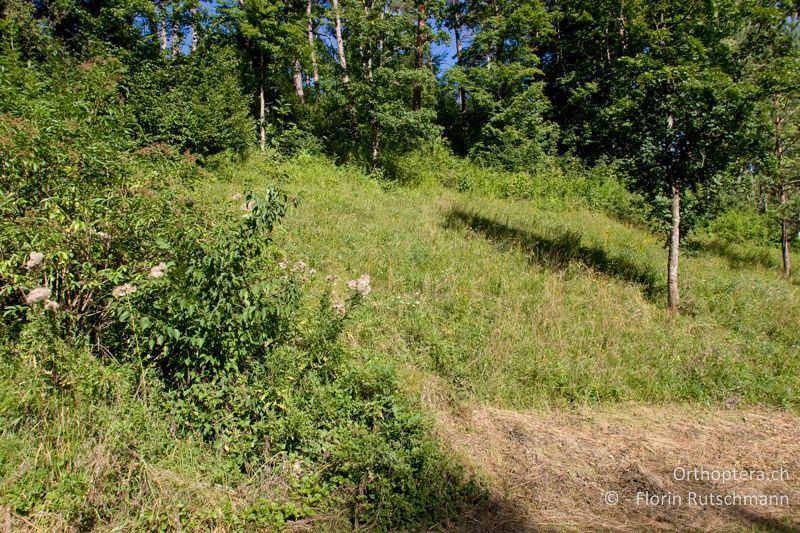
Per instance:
x=339, y=41
x=162, y=29
x=262, y=134
x=312, y=45
x=194, y=28
x=297, y=81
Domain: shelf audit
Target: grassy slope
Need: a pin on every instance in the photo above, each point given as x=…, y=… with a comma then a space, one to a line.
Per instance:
x=520, y=306
x=506, y=303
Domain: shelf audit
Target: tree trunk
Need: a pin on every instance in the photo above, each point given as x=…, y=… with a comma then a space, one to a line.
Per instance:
x=462, y=97
x=367, y=9
x=779, y=152
x=416, y=101
x=311, y=45
x=674, y=248
x=787, y=260
x=262, y=134
x=162, y=29
x=376, y=142
x=175, y=38
x=297, y=81
x=194, y=28
x=380, y=40
x=339, y=41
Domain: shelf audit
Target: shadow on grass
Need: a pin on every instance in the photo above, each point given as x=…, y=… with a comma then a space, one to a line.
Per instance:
x=737, y=257
x=558, y=251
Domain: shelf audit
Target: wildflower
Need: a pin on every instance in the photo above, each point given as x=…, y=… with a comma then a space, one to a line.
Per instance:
x=236, y=197
x=158, y=271
x=35, y=259
x=330, y=278
x=360, y=285
x=123, y=290
x=312, y=271
x=338, y=305
x=37, y=295
x=300, y=266
x=283, y=264
x=50, y=305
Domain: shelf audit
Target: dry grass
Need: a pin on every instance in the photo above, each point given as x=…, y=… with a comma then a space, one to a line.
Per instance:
x=551, y=469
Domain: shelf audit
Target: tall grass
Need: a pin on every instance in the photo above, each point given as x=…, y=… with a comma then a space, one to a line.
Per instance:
x=523, y=303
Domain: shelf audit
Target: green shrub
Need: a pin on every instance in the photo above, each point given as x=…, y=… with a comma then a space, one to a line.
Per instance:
x=740, y=226
x=75, y=188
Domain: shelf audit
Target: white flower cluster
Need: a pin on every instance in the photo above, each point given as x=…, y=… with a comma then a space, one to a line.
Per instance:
x=39, y=294
x=158, y=271
x=34, y=260
x=360, y=285
x=123, y=290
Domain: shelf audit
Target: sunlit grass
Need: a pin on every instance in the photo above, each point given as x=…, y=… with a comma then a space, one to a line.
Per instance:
x=520, y=306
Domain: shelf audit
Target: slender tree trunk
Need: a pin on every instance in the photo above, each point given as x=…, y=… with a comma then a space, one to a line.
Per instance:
x=175, y=38
x=462, y=97
x=367, y=9
x=297, y=81
x=339, y=41
x=262, y=133
x=674, y=248
x=779, y=152
x=673, y=296
x=380, y=40
x=162, y=29
x=194, y=28
x=419, y=54
x=376, y=141
x=312, y=45
x=787, y=260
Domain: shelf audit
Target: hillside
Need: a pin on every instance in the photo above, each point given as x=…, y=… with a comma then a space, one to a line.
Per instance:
x=537, y=339
x=507, y=363
x=520, y=306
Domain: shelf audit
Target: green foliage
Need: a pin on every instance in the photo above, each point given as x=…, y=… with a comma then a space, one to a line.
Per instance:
x=195, y=104
x=740, y=226
x=505, y=122
x=555, y=182
x=208, y=307
x=75, y=188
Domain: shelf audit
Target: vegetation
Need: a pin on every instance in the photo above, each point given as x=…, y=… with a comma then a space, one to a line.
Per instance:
x=243, y=245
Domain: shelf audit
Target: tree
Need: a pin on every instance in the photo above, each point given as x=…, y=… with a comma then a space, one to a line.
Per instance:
x=774, y=65
x=680, y=116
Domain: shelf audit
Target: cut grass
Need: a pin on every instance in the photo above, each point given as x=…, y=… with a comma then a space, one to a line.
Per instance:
x=519, y=306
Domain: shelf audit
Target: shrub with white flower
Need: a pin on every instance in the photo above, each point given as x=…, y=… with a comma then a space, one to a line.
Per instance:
x=338, y=305
x=158, y=271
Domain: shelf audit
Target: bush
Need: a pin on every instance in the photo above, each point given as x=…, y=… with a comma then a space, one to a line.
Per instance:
x=740, y=226
x=75, y=188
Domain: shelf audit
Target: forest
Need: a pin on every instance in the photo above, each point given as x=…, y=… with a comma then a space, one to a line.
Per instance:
x=431, y=265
